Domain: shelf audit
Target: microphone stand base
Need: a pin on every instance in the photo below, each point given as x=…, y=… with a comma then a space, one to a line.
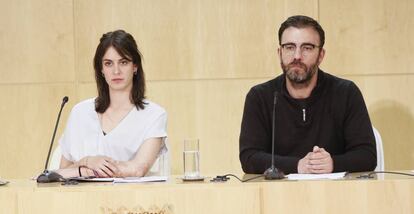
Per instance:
x=49, y=177
x=273, y=174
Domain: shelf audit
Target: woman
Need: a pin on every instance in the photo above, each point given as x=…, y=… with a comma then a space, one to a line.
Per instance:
x=119, y=133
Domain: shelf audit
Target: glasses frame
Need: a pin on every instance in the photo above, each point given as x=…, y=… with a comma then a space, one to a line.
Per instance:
x=303, y=51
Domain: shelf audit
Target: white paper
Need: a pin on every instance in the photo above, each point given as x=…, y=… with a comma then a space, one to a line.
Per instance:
x=140, y=179
x=86, y=179
x=331, y=176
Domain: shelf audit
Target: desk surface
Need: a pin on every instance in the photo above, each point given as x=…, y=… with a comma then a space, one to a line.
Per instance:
x=383, y=194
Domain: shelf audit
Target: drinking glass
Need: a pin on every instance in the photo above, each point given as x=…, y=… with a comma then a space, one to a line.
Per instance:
x=191, y=156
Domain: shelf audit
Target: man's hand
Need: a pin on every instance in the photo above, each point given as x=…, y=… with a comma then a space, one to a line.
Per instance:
x=303, y=164
x=318, y=161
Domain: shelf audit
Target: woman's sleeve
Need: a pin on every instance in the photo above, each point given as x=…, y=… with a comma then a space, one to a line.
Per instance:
x=158, y=127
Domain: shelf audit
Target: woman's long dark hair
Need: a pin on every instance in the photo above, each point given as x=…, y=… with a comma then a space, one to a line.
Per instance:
x=126, y=46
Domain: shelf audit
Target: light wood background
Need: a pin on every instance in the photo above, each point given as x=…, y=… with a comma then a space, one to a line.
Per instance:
x=200, y=59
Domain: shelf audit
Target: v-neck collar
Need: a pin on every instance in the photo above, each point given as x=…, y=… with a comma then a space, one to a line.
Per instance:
x=108, y=133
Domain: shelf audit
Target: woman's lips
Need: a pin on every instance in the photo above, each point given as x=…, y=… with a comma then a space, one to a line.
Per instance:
x=116, y=80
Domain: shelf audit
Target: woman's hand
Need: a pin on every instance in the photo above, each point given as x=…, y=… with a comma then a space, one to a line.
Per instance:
x=102, y=166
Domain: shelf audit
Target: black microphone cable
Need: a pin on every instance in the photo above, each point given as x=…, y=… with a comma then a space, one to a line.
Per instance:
x=223, y=178
x=371, y=174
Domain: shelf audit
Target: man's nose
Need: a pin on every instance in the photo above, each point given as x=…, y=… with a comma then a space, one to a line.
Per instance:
x=297, y=54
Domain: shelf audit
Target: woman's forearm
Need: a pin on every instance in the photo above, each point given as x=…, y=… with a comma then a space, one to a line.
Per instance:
x=75, y=172
x=82, y=162
x=131, y=169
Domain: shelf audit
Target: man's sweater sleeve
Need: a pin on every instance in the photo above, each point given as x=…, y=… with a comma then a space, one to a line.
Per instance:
x=360, y=150
x=255, y=138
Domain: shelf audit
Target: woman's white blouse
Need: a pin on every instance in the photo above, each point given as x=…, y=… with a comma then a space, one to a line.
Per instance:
x=83, y=135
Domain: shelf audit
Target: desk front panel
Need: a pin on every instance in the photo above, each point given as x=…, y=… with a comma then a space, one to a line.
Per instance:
x=343, y=196
x=142, y=198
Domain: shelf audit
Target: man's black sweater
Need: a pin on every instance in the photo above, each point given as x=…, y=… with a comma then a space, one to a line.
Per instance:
x=333, y=117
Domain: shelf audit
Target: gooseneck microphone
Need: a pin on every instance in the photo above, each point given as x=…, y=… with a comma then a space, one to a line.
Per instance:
x=50, y=176
x=273, y=173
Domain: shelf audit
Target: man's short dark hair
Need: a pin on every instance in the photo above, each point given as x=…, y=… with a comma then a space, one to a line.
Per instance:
x=302, y=22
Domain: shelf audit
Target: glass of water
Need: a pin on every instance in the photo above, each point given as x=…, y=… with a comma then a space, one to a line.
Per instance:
x=191, y=157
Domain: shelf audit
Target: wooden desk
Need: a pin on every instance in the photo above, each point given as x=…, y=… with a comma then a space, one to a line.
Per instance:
x=387, y=194
x=394, y=194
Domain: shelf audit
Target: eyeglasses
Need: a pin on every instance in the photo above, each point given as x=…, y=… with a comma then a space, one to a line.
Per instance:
x=306, y=49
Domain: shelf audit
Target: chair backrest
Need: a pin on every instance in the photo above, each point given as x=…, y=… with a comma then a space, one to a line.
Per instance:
x=161, y=167
x=380, y=150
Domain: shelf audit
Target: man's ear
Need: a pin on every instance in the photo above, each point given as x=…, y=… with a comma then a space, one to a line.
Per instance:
x=321, y=56
x=279, y=53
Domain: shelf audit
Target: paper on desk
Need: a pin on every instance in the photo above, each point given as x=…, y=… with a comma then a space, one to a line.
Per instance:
x=88, y=179
x=332, y=176
x=123, y=180
x=140, y=179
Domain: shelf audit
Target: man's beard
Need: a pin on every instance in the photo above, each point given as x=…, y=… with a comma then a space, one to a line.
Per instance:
x=295, y=76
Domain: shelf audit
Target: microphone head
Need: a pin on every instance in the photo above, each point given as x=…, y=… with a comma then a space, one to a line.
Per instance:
x=65, y=99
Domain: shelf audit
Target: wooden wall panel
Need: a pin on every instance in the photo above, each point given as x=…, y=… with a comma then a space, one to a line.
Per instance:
x=193, y=112
x=28, y=115
x=371, y=43
x=390, y=103
x=86, y=90
x=368, y=37
x=188, y=39
x=299, y=7
x=200, y=58
x=36, y=41
x=210, y=110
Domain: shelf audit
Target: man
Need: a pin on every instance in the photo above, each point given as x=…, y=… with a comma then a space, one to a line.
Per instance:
x=321, y=121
